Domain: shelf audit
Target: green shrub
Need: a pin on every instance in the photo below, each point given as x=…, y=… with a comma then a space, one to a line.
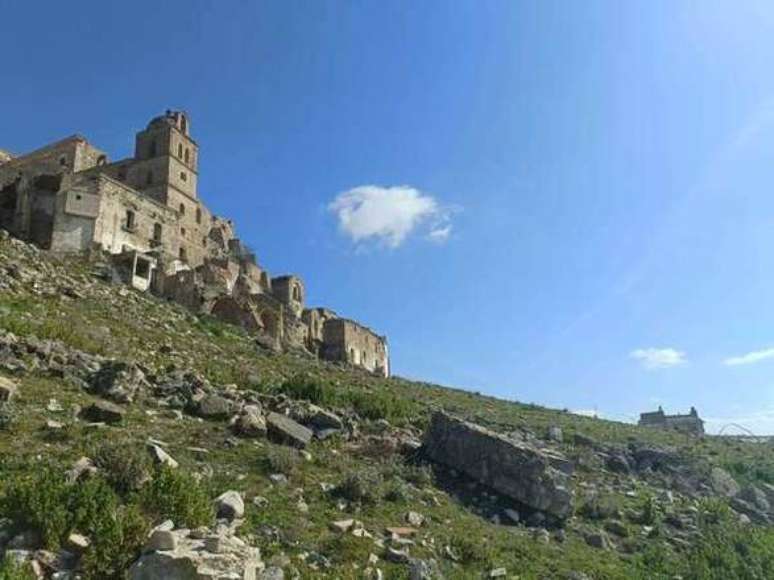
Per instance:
x=419, y=475
x=723, y=549
x=346, y=548
x=600, y=507
x=117, y=537
x=125, y=465
x=360, y=487
x=8, y=415
x=281, y=459
x=309, y=388
x=470, y=548
x=38, y=501
x=379, y=405
x=175, y=495
x=651, y=511
x=397, y=491
x=46, y=504
x=10, y=570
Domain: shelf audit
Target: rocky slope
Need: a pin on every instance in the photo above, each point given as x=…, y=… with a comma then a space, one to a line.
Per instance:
x=137, y=440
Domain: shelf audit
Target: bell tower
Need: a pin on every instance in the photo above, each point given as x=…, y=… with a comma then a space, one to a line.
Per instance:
x=167, y=159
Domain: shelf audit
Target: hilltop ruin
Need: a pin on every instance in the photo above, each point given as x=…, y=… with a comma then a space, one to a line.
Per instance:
x=144, y=212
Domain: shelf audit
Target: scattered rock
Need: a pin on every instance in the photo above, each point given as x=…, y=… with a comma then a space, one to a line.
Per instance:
x=755, y=496
x=161, y=540
x=722, y=482
x=283, y=429
x=272, y=573
x=320, y=419
x=204, y=554
x=161, y=457
x=415, y=519
x=118, y=381
x=250, y=422
x=77, y=543
x=554, y=433
x=103, y=412
x=215, y=407
x=342, y=526
x=396, y=556
x=8, y=389
x=597, y=539
x=82, y=468
x=229, y=505
x=618, y=463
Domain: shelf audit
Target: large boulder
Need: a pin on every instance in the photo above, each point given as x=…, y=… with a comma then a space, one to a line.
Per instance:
x=285, y=430
x=512, y=468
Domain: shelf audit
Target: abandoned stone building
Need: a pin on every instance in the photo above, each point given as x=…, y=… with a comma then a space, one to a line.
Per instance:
x=690, y=423
x=145, y=213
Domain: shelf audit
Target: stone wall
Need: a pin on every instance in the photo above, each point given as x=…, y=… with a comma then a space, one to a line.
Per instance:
x=347, y=341
x=289, y=290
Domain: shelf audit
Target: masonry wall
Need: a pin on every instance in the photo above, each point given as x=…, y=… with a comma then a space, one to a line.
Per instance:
x=290, y=291
x=347, y=341
x=113, y=232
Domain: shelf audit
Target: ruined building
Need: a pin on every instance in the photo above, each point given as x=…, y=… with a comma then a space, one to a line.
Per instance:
x=145, y=213
x=689, y=423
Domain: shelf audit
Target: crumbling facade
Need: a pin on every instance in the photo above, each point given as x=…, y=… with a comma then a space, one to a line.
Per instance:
x=144, y=211
x=690, y=423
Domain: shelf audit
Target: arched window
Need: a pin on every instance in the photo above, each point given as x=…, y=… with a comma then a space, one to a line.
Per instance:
x=187, y=155
x=130, y=220
x=296, y=293
x=179, y=149
x=198, y=215
x=149, y=178
x=156, y=232
x=182, y=209
x=182, y=253
x=352, y=355
x=63, y=160
x=184, y=124
x=363, y=358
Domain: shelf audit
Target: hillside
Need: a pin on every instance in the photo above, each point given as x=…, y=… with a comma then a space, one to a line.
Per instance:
x=645, y=503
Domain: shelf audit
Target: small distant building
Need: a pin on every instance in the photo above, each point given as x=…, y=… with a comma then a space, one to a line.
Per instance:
x=690, y=423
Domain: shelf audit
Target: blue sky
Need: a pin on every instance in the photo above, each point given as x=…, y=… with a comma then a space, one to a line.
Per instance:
x=568, y=203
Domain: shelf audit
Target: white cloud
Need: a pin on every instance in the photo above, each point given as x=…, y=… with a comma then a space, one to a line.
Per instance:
x=593, y=413
x=750, y=358
x=658, y=358
x=439, y=235
x=390, y=214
